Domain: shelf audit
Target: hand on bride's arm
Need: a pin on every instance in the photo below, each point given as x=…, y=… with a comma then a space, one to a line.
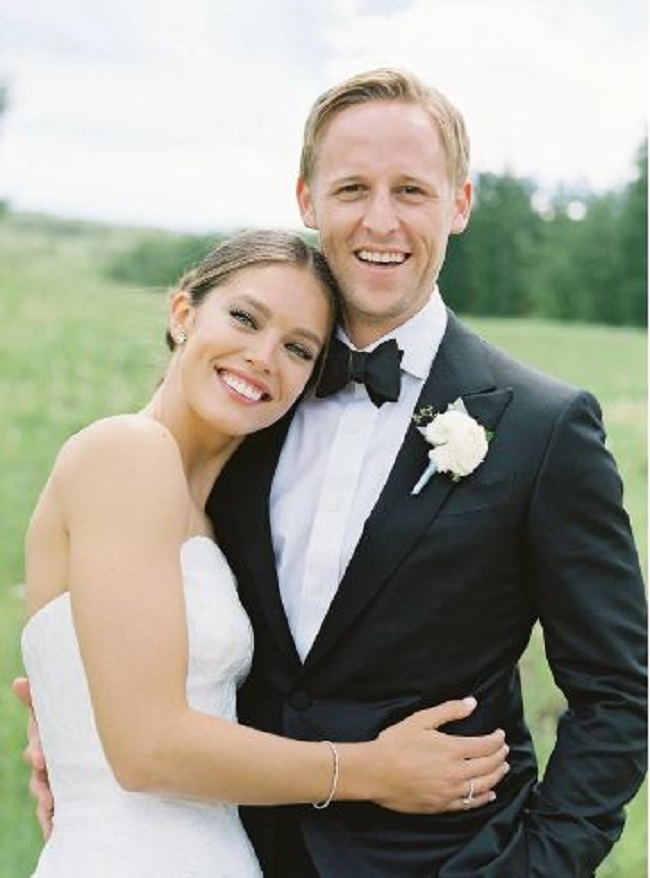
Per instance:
x=430, y=771
x=34, y=757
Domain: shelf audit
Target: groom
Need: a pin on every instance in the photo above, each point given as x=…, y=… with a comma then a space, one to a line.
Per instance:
x=369, y=601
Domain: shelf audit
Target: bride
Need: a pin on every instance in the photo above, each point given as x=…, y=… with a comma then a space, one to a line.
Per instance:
x=136, y=640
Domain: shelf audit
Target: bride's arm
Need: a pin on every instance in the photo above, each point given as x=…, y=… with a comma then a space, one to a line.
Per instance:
x=123, y=498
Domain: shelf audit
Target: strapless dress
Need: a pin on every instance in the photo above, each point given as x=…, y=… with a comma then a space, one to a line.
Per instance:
x=101, y=830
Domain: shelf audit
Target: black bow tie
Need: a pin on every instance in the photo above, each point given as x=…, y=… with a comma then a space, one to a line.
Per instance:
x=379, y=370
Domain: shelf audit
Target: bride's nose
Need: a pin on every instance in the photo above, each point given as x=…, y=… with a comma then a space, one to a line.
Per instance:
x=261, y=354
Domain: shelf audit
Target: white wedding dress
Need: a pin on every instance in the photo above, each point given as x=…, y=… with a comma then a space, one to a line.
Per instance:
x=101, y=831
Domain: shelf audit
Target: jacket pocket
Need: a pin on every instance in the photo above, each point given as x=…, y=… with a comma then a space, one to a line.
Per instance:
x=475, y=495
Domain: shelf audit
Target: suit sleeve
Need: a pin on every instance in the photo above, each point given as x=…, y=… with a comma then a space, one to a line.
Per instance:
x=592, y=608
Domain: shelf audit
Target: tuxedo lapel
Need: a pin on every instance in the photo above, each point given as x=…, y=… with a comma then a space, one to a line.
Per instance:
x=254, y=476
x=399, y=518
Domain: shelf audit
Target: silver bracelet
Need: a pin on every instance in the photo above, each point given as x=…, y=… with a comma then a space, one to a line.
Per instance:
x=335, y=778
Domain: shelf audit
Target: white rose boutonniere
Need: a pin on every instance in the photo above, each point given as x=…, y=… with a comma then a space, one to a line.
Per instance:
x=459, y=442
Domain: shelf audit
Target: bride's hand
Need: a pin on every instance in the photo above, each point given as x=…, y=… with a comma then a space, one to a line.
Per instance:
x=429, y=771
x=34, y=757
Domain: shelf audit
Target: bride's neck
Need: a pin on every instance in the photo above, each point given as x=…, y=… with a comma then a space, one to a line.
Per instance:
x=204, y=452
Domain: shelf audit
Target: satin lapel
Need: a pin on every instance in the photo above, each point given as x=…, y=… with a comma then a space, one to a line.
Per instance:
x=252, y=498
x=399, y=519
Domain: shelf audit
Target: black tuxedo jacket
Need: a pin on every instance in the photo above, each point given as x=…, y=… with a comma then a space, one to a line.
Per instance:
x=438, y=602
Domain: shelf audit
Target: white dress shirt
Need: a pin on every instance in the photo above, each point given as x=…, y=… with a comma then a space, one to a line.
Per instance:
x=334, y=464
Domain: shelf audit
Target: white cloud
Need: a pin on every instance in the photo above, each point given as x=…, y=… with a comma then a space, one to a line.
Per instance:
x=190, y=114
x=549, y=89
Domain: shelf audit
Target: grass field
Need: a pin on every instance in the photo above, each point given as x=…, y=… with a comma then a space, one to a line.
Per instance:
x=75, y=347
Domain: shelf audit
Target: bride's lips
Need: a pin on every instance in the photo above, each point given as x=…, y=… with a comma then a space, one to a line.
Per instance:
x=243, y=387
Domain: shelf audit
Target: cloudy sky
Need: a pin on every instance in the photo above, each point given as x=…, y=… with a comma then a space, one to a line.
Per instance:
x=188, y=114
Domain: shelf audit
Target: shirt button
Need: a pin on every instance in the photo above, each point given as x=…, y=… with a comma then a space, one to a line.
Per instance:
x=300, y=700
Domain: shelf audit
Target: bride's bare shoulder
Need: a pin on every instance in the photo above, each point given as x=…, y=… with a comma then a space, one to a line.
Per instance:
x=119, y=442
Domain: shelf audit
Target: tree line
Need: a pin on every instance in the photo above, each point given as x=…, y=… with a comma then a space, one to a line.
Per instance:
x=579, y=256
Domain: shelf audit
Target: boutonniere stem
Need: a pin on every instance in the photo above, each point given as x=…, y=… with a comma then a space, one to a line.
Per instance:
x=431, y=470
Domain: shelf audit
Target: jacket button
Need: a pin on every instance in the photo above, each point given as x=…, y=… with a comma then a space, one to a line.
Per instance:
x=300, y=700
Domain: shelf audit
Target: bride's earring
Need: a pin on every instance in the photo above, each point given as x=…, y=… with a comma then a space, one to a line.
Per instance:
x=180, y=336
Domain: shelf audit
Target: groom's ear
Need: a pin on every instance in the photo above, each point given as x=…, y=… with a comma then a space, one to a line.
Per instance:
x=305, y=204
x=462, y=208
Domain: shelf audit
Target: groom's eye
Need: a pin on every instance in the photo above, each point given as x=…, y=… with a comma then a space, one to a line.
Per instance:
x=351, y=190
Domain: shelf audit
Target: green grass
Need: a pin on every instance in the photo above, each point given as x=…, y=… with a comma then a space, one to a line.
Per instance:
x=75, y=347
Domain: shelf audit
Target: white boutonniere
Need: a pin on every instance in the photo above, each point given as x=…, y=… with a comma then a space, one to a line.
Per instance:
x=459, y=442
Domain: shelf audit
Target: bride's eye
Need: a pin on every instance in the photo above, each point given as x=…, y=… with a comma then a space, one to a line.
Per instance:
x=243, y=317
x=300, y=351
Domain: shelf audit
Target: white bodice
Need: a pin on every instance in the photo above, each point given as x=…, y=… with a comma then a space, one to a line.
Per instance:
x=100, y=830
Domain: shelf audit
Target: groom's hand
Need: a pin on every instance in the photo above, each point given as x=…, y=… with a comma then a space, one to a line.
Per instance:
x=34, y=757
x=432, y=772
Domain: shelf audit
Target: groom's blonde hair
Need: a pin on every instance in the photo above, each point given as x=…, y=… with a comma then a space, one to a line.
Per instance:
x=388, y=84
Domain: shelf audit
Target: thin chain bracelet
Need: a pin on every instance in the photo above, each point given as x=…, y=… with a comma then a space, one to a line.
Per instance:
x=335, y=778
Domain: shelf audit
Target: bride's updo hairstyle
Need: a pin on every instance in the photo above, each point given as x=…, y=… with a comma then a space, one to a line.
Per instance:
x=253, y=250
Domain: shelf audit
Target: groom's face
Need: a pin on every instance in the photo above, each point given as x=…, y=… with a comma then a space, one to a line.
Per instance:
x=384, y=202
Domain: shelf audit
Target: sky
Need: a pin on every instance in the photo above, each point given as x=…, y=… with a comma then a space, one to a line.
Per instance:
x=188, y=114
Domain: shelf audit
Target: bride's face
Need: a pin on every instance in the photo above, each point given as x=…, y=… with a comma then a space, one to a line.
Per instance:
x=251, y=346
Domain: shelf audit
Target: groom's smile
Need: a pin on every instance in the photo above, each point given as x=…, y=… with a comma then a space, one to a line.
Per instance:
x=384, y=259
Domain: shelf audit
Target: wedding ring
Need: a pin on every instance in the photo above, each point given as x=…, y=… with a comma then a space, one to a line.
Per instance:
x=469, y=798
